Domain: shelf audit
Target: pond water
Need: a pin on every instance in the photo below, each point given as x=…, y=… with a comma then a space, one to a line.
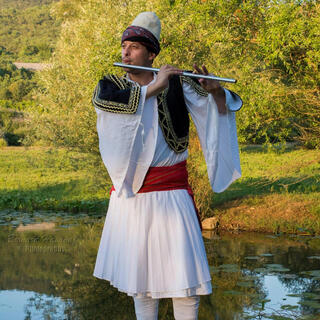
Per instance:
x=47, y=274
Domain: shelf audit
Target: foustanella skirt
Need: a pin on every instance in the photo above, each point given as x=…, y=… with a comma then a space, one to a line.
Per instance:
x=151, y=245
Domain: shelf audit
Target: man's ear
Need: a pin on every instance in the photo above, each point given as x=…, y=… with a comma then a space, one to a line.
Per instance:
x=152, y=56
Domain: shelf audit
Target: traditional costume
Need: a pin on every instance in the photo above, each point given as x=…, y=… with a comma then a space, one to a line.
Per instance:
x=151, y=245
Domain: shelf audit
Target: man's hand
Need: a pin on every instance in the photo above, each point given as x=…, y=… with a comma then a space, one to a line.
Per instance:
x=162, y=80
x=213, y=87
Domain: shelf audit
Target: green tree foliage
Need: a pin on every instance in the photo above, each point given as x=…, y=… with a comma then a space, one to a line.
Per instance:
x=289, y=44
x=23, y=4
x=15, y=84
x=15, y=96
x=28, y=32
x=271, y=47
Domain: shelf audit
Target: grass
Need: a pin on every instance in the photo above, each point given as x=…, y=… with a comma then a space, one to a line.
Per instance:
x=279, y=190
x=44, y=179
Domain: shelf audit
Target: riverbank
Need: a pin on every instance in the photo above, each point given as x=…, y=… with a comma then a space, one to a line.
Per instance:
x=279, y=190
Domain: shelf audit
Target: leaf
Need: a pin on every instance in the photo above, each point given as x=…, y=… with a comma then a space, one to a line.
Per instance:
x=311, y=304
x=245, y=284
x=289, y=307
x=233, y=293
x=266, y=255
x=314, y=257
x=252, y=258
x=276, y=268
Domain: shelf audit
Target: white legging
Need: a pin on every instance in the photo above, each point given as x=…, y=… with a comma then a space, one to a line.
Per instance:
x=183, y=308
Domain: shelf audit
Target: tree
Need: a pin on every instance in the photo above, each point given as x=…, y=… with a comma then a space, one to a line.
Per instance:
x=257, y=42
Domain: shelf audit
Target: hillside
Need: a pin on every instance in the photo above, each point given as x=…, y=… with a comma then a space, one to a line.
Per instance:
x=22, y=4
x=28, y=32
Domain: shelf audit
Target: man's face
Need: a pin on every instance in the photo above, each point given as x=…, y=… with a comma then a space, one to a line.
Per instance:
x=136, y=54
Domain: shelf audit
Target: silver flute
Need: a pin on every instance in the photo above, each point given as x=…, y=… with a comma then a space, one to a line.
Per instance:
x=184, y=73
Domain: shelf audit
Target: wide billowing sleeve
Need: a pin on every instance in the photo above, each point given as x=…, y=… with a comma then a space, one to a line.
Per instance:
x=122, y=136
x=217, y=134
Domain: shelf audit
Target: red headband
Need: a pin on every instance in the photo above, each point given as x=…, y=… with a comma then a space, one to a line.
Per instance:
x=139, y=34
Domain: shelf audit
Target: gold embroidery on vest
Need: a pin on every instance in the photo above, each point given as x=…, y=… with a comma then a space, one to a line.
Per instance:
x=118, y=107
x=177, y=144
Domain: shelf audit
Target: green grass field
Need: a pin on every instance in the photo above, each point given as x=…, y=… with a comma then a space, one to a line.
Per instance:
x=46, y=179
x=278, y=191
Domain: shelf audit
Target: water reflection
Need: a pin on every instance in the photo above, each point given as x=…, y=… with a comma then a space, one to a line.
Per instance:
x=17, y=304
x=48, y=275
x=274, y=270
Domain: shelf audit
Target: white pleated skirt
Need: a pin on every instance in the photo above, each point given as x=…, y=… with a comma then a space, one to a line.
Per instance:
x=151, y=245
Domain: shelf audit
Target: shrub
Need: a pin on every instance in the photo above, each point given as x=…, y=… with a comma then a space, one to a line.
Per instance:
x=3, y=142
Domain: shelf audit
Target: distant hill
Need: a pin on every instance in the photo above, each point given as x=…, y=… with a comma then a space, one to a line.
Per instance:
x=27, y=31
x=22, y=4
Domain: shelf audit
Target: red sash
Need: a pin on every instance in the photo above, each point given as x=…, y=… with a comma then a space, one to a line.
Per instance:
x=168, y=178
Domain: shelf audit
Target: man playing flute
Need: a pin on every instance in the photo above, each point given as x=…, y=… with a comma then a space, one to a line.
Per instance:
x=151, y=245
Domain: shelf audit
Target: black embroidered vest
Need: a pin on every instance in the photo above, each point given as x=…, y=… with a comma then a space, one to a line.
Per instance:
x=118, y=95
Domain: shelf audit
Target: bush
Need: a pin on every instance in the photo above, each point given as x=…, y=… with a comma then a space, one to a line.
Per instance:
x=3, y=142
x=12, y=128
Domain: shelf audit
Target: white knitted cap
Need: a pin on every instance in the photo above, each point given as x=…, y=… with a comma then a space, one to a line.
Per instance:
x=150, y=21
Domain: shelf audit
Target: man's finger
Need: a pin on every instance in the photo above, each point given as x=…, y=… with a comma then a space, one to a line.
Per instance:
x=205, y=70
x=175, y=71
x=197, y=68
